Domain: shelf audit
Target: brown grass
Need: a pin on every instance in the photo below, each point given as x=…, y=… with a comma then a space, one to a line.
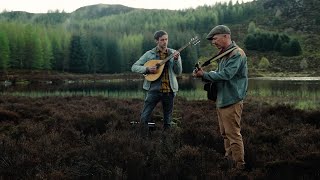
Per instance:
x=92, y=137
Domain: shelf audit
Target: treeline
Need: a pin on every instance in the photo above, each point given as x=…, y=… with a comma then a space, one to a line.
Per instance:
x=271, y=41
x=32, y=46
x=110, y=44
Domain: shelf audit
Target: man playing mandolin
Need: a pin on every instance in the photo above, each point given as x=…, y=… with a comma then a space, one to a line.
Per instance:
x=161, y=65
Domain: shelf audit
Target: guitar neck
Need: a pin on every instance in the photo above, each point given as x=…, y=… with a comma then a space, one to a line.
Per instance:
x=171, y=55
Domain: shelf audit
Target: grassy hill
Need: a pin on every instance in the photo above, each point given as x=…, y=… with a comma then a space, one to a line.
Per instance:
x=99, y=10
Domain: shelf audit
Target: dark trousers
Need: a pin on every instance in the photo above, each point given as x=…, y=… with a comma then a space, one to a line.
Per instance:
x=151, y=100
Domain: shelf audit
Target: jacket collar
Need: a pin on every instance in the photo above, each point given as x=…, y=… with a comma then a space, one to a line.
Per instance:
x=233, y=44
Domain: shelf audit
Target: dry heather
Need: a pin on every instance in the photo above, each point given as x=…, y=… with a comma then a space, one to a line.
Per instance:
x=92, y=137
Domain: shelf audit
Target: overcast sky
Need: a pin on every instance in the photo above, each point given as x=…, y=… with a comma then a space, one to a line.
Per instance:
x=42, y=6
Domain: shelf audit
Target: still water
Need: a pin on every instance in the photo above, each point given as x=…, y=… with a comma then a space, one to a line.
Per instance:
x=302, y=92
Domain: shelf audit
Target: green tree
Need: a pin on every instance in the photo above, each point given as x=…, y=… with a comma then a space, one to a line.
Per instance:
x=4, y=51
x=114, y=55
x=292, y=48
x=277, y=45
x=250, y=42
x=132, y=46
x=295, y=48
x=148, y=42
x=268, y=42
x=57, y=52
x=32, y=49
x=78, y=58
x=284, y=38
x=95, y=47
x=60, y=42
x=47, y=53
x=16, y=38
x=37, y=58
x=285, y=49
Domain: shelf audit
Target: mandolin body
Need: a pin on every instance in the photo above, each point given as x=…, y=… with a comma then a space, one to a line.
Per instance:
x=160, y=63
x=155, y=76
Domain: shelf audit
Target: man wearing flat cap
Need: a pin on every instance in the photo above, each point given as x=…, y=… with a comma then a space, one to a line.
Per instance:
x=220, y=29
x=231, y=78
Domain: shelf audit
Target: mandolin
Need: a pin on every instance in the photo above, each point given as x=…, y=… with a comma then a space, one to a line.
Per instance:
x=160, y=63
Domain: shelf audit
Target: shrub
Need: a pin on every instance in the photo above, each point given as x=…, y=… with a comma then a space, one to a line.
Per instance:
x=264, y=63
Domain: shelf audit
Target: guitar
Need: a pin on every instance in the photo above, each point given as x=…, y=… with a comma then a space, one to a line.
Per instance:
x=160, y=63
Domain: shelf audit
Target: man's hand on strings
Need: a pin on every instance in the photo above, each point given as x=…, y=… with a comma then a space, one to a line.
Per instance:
x=176, y=55
x=152, y=69
x=198, y=73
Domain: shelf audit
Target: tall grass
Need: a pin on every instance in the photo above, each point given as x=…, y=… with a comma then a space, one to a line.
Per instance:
x=301, y=99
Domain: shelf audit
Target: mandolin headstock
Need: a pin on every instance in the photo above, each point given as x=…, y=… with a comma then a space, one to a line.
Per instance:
x=195, y=40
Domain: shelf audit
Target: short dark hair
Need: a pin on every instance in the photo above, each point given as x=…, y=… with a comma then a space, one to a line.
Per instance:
x=159, y=33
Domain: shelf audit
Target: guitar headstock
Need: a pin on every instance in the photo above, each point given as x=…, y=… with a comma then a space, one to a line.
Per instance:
x=195, y=40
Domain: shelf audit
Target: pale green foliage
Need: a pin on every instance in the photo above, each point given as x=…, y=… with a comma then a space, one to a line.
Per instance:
x=252, y=28
x=264, y=63
x=304, y=64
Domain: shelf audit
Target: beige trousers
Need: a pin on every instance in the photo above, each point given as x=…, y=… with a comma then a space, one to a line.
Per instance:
x=229, y=122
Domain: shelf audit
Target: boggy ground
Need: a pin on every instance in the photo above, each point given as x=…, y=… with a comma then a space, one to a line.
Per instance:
x=94, y=137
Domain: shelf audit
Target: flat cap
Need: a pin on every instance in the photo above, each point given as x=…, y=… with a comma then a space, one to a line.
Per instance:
x=220, y=29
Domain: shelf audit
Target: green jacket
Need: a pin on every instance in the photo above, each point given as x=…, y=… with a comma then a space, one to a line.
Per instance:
x=175, y=68
x=231, y=77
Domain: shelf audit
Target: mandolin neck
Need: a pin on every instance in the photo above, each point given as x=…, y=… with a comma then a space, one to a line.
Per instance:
x=171, y=55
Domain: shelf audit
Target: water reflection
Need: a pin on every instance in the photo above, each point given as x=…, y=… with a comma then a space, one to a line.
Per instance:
x=97, y=86
x=301, y=91
x=258, y=85
x=127, y=85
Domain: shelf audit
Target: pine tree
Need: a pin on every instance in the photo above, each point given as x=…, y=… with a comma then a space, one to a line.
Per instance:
x=78, y=58
x=250, y=42
x=4, y=51
x=295, y=48
x=47, y=53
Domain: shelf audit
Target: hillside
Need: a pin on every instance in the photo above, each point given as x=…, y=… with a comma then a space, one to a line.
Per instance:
x=99, y=10
x=298, y=15
x=56, y=17
x=100, y=33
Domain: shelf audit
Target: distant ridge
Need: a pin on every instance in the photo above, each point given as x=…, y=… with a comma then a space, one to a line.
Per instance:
x=100, y=10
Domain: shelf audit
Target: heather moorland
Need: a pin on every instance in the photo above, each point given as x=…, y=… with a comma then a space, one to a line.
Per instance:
x=95, y=137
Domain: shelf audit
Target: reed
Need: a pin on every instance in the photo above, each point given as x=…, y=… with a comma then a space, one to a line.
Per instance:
x=299, y=99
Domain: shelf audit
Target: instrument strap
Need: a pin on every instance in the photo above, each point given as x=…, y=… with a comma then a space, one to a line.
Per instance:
x=218, y=56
